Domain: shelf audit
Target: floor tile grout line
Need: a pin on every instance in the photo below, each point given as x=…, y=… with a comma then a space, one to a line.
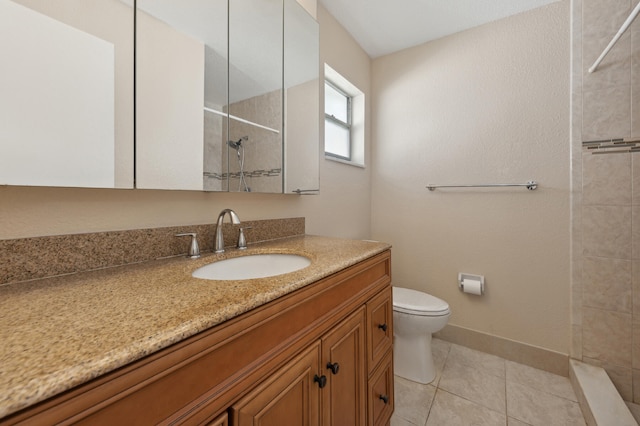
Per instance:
x=437, y=386
x=433, y=400
x=506, y=396
x=471, y=401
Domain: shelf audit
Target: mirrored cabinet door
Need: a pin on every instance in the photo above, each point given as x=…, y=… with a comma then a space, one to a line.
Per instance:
x=181, y=94
x=255, y=96
x=301, y=100
x=67, y=93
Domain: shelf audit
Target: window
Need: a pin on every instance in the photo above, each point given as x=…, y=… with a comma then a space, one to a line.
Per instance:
x=344, y=122
x=337, y=122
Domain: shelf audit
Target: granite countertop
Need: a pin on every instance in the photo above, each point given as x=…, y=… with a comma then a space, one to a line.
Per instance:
x=60, y=332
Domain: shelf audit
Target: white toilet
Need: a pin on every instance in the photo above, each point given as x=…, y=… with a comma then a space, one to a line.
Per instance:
x=416, y=315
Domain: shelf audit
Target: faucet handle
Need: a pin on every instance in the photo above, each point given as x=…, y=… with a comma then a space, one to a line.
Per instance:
x=194, y=249
x=242, y=241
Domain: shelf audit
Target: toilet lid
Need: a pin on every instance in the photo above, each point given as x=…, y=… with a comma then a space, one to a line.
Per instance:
x=418, y=303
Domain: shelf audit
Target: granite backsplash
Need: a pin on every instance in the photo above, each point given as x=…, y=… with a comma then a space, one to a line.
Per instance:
x=39, y=257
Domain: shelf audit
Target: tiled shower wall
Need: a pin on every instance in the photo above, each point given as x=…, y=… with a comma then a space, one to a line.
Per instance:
x=606, y=195
x=263, y=148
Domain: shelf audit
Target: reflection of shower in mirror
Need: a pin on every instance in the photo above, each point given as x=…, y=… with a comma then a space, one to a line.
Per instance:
x=237, y=144
x=239, y=147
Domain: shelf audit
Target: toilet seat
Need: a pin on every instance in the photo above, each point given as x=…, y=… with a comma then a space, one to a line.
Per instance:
x=415, y=302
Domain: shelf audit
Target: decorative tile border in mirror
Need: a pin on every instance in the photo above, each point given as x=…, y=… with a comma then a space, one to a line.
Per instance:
x=40, y=257
x=236, y=175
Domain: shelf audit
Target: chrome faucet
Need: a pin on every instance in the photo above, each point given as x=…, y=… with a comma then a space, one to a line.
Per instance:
x=219, y=242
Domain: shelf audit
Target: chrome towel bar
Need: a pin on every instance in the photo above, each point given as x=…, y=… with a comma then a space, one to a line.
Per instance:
x=531, y=185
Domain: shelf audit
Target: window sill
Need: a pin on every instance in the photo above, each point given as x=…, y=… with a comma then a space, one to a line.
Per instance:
x=347, y=162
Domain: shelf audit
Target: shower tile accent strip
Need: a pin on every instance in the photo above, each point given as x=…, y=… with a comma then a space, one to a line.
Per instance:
x=611, y=146
x=40, y=257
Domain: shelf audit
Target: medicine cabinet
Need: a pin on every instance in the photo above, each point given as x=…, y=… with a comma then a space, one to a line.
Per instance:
x=226, y=95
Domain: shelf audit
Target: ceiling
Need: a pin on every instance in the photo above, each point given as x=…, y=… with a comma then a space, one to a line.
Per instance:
x=386, y=26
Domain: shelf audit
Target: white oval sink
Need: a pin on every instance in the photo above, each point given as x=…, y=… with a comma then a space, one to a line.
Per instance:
x=252, y=266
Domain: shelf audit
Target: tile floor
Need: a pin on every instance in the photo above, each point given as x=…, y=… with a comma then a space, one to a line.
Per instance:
x=475, y=388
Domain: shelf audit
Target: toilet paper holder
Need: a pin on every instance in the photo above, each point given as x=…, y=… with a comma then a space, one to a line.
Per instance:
x=474, y=280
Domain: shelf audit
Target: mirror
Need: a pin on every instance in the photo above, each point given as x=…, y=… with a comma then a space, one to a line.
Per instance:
x=302, y=100
x=255, y=96
x=67, y=93
x=181, y=94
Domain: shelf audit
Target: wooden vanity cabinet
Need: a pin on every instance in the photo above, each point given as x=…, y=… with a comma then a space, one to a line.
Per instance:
x=338, y=396
x=326, y=385
x=262, y=367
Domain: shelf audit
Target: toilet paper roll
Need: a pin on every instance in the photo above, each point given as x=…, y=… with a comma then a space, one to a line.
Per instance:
x=472, y=286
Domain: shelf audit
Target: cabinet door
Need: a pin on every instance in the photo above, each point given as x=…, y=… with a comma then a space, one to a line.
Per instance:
x=343, y=359
x=301, y=100
x=289, y=397
x=221, y=420
x=379, y=327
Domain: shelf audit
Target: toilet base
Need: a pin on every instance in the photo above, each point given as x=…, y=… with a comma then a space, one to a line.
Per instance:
x=412, y=358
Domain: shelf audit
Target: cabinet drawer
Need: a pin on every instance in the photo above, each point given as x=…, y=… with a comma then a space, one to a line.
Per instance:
x=380, y=393
x=379, y=327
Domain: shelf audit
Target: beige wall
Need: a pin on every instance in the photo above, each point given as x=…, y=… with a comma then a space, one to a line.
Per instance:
x=342, y=209
x=606, y=244
x=488, y=105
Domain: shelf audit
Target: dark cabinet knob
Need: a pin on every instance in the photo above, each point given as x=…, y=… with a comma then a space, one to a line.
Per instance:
x=335, y=367
x=383, y=327
x=384, y=399
x=320, y=380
